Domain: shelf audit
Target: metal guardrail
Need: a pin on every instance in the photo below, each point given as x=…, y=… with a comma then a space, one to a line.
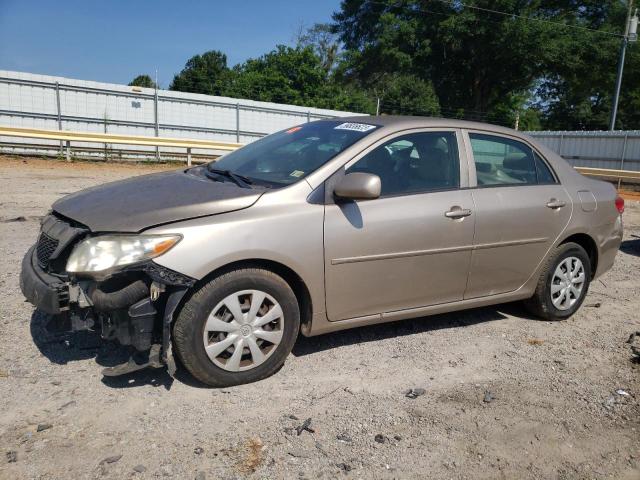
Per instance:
x=609, y=173
x=127, y=123
x=159, y=109
x=189, y=144
x=94, y=137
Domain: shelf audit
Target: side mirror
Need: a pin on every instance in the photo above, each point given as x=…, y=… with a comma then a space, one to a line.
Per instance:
x=358, y=186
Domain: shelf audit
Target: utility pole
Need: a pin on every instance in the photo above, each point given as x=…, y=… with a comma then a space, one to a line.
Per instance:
x=630, y=35
x=378, y=106
x=517, y=125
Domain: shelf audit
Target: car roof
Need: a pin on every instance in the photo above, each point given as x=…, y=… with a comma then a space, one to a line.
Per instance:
x=400, y=122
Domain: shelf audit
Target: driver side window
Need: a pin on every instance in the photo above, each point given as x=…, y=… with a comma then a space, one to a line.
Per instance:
x=418, y=162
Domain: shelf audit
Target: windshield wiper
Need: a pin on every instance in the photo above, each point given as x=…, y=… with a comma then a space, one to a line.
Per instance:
x=240, y=180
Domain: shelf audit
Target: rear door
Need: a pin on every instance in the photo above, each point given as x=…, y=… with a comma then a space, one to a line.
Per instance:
x=401, y=250
x=520, y=207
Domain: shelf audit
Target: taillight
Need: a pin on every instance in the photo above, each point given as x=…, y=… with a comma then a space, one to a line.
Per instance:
x=620, y=204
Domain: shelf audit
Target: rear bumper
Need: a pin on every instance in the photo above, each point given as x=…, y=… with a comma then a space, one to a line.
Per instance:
x=48, y=293
x=609, y=246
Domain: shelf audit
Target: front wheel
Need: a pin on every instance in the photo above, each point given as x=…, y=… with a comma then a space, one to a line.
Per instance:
x=238, y=328
x=563, y=283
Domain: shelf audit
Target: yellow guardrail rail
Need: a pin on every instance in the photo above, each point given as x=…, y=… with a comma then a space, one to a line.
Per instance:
x=609, y=173
x=190, y=143
x=94, y=137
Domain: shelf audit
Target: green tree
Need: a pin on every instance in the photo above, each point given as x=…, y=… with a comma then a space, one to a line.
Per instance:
x=577, y=87
x=207, y=73
x=550, y=63
x=539, y=58
x=345, y=97
x=297, y=76
x=325, y=44
x=629, y=108
x=284, y=75
x=473, y=64
x=407, y=95
x=144, y=81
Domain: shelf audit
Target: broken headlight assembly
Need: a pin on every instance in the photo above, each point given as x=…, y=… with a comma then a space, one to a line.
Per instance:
x=104, y=252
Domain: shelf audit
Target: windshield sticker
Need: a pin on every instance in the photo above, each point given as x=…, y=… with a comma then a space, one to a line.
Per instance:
x=355, y=127
x=296, y=173
x=293, y=130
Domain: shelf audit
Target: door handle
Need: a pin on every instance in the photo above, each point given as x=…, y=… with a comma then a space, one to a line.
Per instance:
x=457, y=212
x=553, y=203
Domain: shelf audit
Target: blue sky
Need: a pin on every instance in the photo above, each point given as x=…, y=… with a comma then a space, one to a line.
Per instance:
x=115, y=40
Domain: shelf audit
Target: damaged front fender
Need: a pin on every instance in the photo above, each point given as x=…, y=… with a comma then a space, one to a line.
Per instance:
x=134, y=306
x=137, y=308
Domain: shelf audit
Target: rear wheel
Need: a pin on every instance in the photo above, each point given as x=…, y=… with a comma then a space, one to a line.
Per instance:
x=563, y=283
x=238, y=328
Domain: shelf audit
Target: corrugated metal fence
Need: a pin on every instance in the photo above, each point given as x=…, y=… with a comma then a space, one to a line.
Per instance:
x=39, y=101
x=619, y=150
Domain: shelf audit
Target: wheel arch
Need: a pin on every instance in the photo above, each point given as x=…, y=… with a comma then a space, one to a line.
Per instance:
x=293, y=279
x=589, y=244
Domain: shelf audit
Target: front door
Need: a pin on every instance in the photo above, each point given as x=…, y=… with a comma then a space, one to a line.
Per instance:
x=412, y=246
x=520, y=209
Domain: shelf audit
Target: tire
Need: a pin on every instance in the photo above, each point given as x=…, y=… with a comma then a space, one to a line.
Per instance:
x=200, y=322
x=541, y=303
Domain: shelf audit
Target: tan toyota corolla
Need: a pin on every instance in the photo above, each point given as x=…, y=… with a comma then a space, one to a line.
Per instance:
x=325, y=226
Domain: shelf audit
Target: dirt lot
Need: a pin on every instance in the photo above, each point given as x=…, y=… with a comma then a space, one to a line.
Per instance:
x=506, y=396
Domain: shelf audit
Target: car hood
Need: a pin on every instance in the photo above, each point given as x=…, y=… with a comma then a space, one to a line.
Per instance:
x=141, y=202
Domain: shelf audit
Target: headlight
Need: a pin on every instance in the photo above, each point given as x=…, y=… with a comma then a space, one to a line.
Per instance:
x=107, y=251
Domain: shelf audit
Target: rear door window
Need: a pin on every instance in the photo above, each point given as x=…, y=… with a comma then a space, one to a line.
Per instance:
x=502, y=161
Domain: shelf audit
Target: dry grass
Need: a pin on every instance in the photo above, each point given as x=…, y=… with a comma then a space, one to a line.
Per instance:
x=251, y=456
x=38, y=163
x=535, y=341
x=629, y=195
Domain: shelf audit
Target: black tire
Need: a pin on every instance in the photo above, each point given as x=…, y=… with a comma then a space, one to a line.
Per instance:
x=189, y=326
x=540, y=303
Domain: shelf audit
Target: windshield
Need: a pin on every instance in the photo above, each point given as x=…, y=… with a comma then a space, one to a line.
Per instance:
x=290, y=155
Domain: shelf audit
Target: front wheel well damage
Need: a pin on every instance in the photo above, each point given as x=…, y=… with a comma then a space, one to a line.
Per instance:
x=589, y=245
x=294, y=280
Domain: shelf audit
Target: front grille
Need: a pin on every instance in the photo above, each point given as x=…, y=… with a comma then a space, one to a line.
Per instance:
x=44, y=250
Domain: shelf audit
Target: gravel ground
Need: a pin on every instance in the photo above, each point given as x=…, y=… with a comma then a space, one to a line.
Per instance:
x=505, y=395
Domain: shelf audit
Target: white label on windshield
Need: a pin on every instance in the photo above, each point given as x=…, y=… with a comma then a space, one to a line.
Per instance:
x=296, y=173
x=356, y=127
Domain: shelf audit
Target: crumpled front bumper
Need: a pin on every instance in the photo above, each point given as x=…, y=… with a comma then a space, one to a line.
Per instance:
x=47, y=292
x=133, y=305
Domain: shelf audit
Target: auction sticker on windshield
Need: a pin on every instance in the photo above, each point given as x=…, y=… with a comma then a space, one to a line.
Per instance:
x=357, y=127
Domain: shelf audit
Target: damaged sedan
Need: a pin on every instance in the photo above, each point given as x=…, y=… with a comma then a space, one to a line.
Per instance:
x=325, y=226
